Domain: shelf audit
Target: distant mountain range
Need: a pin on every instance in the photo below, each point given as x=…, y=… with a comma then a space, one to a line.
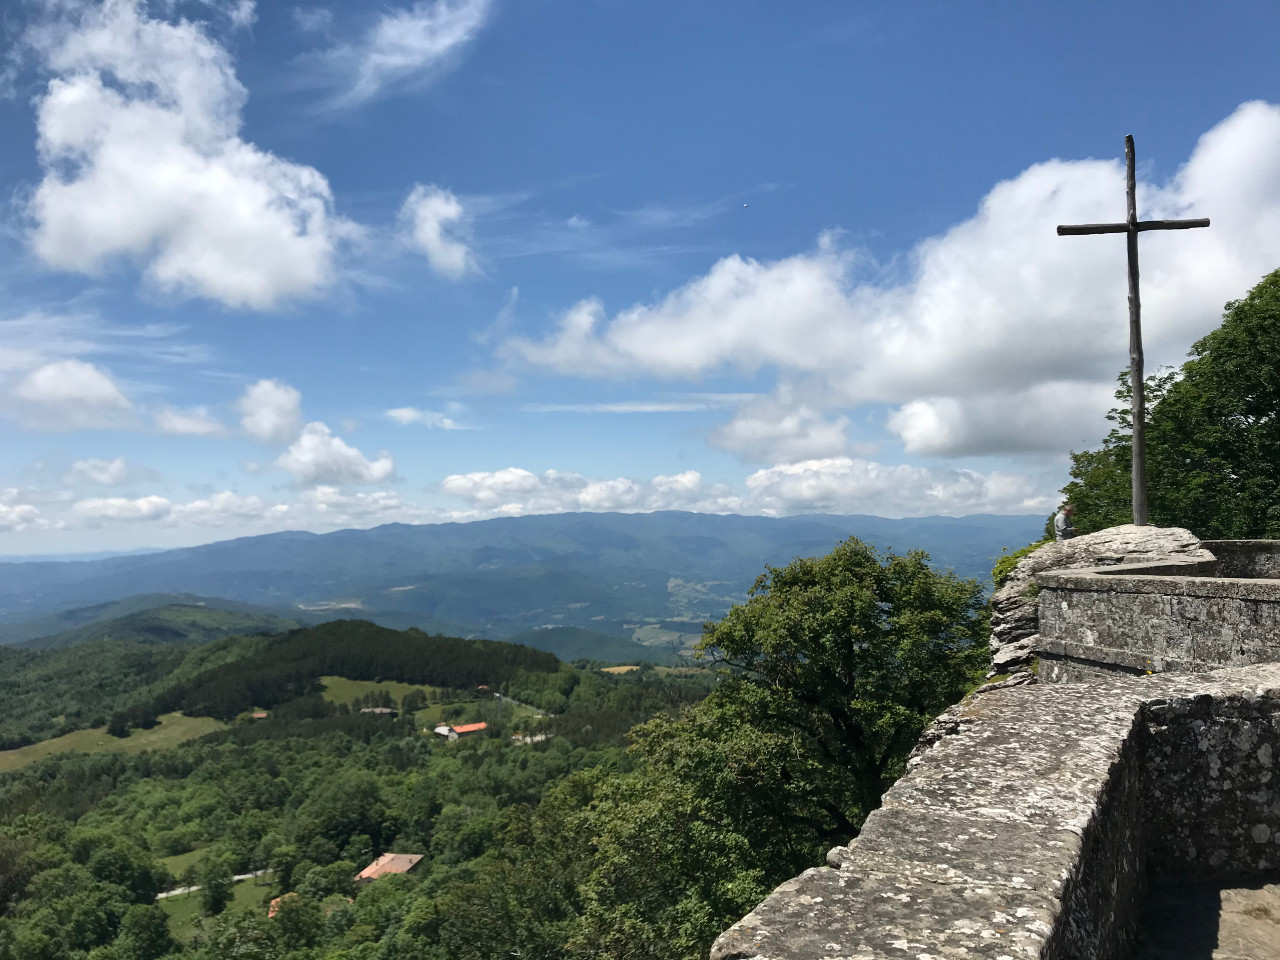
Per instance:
x=646, y=578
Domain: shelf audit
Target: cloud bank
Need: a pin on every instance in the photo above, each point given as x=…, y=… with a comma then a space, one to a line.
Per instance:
x=139, y=140
x=1002, y=338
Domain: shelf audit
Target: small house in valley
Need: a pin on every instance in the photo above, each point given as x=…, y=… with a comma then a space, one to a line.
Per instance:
x=388, y=863
x=461, y=730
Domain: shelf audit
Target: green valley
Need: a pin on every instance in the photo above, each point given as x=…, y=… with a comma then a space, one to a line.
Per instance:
x=581, y=812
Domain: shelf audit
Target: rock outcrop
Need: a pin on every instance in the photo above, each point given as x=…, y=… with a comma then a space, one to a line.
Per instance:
x=1015, y=606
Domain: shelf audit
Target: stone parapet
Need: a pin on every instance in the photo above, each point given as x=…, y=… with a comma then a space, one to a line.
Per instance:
x=1137, y=618
x=1029, y=818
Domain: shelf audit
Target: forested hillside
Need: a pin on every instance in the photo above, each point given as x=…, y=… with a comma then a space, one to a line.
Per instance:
x=651, y=578
x=173, y=623
x=127, y=618
x=594, y=815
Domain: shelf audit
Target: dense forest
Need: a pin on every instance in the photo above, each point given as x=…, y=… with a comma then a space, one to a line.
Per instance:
x=1212, y=435
x=641, y=814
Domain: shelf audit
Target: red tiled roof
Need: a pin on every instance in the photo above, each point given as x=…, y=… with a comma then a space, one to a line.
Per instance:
x=275, y=904
x=469, y=727
x=389, y=863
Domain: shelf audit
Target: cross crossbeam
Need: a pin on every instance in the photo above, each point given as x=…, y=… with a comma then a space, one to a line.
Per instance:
x=1132, y=226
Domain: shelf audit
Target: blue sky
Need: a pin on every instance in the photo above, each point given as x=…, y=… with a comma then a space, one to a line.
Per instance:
x=283, y=266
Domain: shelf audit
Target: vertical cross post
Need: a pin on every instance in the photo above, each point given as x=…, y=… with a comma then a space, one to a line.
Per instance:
x=1136, y=385
x=1131, y=228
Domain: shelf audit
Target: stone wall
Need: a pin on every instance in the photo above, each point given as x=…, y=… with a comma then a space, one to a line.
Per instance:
x=1156, y=618
x=1014, y=605
x=1246, y=558
x=1027, y=821
x=1213, y=801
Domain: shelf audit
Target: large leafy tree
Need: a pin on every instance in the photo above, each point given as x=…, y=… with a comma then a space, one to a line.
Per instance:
x=835, y=665
x=856, y=654
x=1213, y=439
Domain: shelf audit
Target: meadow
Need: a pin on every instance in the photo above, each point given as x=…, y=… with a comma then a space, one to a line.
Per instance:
x=170, y=730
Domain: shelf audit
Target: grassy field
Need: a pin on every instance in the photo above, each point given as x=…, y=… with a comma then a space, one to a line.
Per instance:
x=172, y=730
x=185, y=907
x=342, y=690
x=181, y=861
x=653, y=635
x=620, y=669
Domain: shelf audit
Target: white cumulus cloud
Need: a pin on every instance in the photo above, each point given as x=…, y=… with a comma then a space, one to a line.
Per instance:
x=434, y=222
x=151, y=507
x=849, y=485
x=139, y=139
x=17, y=515
x=779, y=428
x=271, y=411
x=70, y=395
x=222, y=508
x=829, y=485
x=996, y=312
x=318, y=457
x=514, y=492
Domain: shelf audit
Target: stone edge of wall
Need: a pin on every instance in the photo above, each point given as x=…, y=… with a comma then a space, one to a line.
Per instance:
x=1194, y=579
x=1000, y=840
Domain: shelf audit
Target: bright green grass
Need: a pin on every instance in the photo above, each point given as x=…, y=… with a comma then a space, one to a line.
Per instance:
x=172, y=730
x=183, y=908
x=181, y=861
x=342, y=690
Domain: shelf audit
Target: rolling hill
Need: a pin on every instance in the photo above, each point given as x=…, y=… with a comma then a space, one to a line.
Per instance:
x=170, y=623
x=649, y=577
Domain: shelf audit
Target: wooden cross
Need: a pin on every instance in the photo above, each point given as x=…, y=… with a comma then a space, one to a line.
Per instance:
x=1132, y=227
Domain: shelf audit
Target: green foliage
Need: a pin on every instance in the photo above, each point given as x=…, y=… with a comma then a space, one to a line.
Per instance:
x=144, y=933
x=289, y=666
x=1213, y=439
x=857, y=654
x=299, y=921
x=47, y=694
x=172, y=623
x=1008, y=560
x=414, y=701
x=571, y=847
x=215, y=878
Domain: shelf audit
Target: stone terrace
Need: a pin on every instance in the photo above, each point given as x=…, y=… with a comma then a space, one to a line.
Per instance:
x=1031, y=817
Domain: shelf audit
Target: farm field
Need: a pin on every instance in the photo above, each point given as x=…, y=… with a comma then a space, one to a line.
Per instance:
x=179, y=862
x=172, y=730
x=185, y=907
x=656, y=635
x=342, y=690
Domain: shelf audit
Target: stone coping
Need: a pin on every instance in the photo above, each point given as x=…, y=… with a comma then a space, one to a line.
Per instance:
x=1242, y=546
x=1194, y=579
x=989, y=846
x=1113, y=657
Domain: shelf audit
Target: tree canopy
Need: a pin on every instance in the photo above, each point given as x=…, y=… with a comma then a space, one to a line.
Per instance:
x=563, y=848
x=1213, y=438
